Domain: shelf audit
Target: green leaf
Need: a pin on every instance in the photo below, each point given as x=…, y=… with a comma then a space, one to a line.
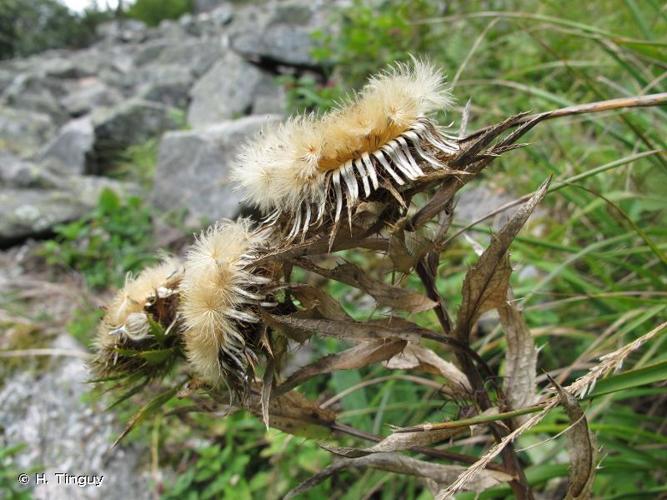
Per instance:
x=147, y=410
x=109, y=201
x=630, y=379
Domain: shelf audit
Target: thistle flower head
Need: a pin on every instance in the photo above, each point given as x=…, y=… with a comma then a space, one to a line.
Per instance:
x=126, y=322
x=220, y=294
x=309, y=167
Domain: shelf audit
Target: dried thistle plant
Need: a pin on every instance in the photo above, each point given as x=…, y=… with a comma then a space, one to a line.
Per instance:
x=234, y=307
x=306, y=170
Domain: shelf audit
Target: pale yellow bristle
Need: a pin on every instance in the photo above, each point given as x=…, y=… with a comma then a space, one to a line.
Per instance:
x=132, y=298
x=215, y=269
x=287, y=165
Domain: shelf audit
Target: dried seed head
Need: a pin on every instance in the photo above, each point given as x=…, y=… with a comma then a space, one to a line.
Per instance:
x=126, y=321
x=136, y=327
x=310, y=167
x=220, y=294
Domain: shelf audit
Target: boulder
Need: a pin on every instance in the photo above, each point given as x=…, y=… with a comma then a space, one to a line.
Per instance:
x=192, y=54
x=88, y=94
x=37, y=93
x=65, y=431
x=284, y=36
x=229, y=90
x=33, y=212
x=123, y=31
x=18, y=173
x=23, y=132
x=194, y=165
x=166, y=84
x=68, y=150
x=131, y=122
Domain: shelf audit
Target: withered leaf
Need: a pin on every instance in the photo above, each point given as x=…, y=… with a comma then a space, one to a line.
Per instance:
x=520, y=357
x=395, y=328
x=361, y=355
x=295, y=414
x=581, y=447
x=400, y=464
x=485, y=285
x=415, y=356
x=397, y=441
x=384, y=294
x=315, y=298
x=267, y=386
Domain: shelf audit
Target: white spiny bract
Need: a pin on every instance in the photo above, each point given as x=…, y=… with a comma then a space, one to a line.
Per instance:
x=311, y=166
x=220, y=294
x=126, y=319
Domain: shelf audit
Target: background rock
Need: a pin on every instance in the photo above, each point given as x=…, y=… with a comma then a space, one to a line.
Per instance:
x=280, y=35
x=24, y=132
x=67, y=114
x=33, y=212
x=131, y=122
x=64, y=434
x=88, y=94
x=228, y=90
x=193, y=168
x=68, y=150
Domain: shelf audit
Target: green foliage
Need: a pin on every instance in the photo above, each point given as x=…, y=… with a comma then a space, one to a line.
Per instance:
x=137, y=163
x=112, y=240
x=152, y=12
x=83, y=324
x=305, y=93
x=30, y=26
x=373, y=34
x=246, y=462
x=9, y=473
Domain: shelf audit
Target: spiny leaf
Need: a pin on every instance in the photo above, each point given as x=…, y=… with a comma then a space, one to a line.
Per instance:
x=520, y=356
x=581, y=447
x=418, y=357
x=485, y=285
x=359, y=356
x=267, y=386
x=295, y=414
x=384, y=294
x=397, y=441
x=317, y=299
x=128, y=394
x=147, y=410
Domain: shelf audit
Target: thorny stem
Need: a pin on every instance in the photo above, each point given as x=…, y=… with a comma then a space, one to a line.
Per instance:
x=519, y=485
x=475, y=143
x=510, y=459
x=427, y=277
x=593, y=107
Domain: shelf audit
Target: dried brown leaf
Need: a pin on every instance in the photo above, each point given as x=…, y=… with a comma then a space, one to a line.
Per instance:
x=486, y=283
x=384, y=294
x=581, y=446
x=295, y=414
x=400, y=464
x=418, y=357
x=520, y=357
x=316, y=299
x=397, y=441
x=355, y=331
x=267, y=385
x=364, y=354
